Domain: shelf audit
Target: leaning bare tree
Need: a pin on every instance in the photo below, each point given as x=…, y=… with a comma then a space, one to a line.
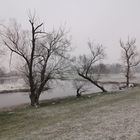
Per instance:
x=129, y=56
x=44, y=54
x=86, y=63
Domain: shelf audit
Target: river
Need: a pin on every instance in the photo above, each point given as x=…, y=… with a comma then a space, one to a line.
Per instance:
x=59, y=89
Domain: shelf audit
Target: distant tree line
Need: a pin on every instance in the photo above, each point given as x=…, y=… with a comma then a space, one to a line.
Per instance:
x=108, y=68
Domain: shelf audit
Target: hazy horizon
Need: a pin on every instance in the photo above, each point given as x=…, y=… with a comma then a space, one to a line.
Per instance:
x=103, y=21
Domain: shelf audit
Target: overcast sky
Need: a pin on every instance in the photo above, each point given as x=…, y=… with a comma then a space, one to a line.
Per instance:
x=103, y=21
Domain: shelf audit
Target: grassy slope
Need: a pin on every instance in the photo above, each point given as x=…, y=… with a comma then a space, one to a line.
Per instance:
x=100, y=117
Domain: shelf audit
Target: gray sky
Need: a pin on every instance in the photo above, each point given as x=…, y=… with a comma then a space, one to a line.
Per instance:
x=103, y=21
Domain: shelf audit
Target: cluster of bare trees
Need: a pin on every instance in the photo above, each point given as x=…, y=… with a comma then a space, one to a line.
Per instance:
x=45, y=57
x=87, y=68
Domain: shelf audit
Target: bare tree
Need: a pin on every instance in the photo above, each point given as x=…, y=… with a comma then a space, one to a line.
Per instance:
x=79, y=85
x=44, y=54
x=130, y=57
x=85, y=64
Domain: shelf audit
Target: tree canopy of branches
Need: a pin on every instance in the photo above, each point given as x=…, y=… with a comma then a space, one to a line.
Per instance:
x=44, y=54
x=129, y=56
x=85, y=64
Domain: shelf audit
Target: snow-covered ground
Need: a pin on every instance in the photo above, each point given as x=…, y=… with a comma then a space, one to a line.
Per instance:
x=107, y=117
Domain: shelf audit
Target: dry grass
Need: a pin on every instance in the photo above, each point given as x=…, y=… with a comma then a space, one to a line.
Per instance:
x=113, y=116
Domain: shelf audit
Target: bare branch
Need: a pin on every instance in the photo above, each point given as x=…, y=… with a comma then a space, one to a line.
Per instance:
x=85, y=64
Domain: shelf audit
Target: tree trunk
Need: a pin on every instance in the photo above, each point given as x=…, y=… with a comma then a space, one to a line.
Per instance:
x=37, y=100
x=101, y=87
x=34, y=98
x=93, y=82
x=127, y=81
x=127, y=76
x=78, y=94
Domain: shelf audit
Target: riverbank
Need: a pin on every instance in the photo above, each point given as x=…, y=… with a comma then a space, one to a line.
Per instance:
x=15, y=91
x=18, y=90
x=112, y=116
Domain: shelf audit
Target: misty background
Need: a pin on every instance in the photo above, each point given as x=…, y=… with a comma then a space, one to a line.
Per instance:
x=103, y=21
